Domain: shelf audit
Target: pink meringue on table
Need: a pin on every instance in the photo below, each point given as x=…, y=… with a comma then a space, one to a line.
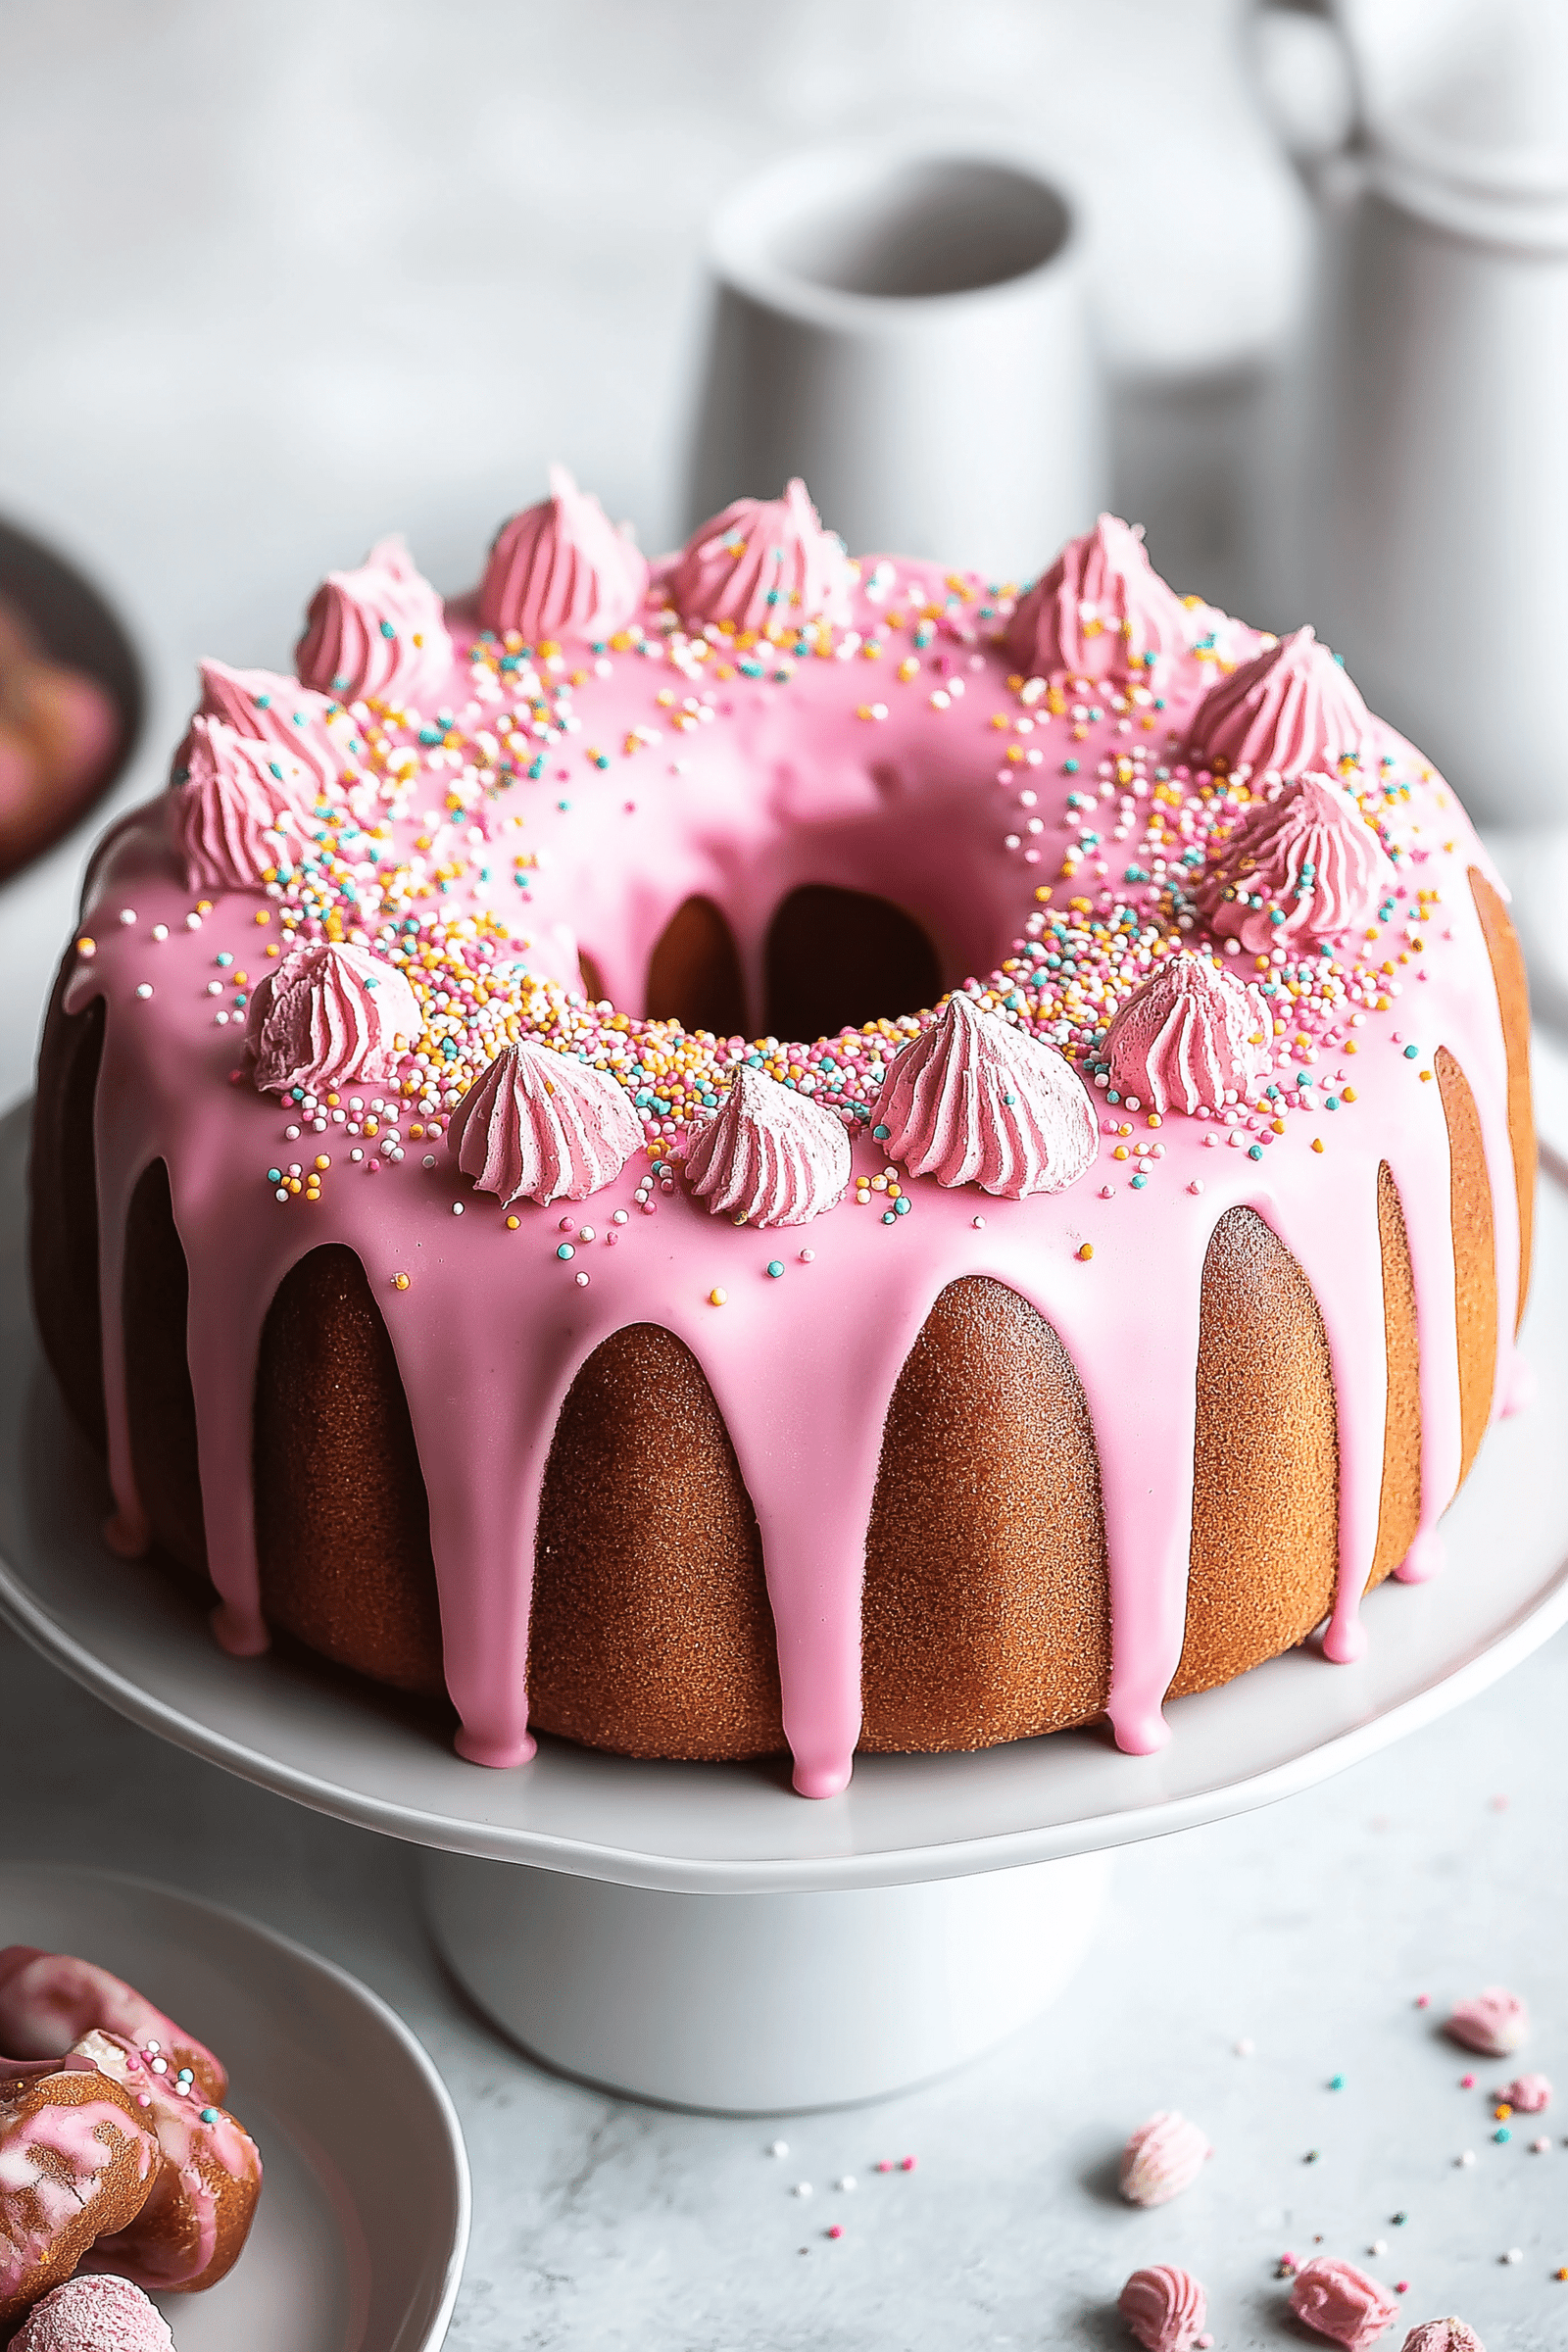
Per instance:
x=1529, y=2094
x=1163, y=2157
x=1493, y=2022
x=562, y=569
x=94, y=2313
x=379, y=632
x=542, y=1126
x=1165, y=2307
x=973, y=1099
x=1193, y=1037
x=1443, y=2335
x=769, y=1156
x=761, y=561
x=1289, y=708
x=267, y=707
x=237, y=807
x=1298, y=868
x=1102, y=610
x=327, y=1014
x=1342, y=2302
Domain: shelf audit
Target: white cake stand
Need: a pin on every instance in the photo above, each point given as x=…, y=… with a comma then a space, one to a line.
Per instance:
x=698, y=1933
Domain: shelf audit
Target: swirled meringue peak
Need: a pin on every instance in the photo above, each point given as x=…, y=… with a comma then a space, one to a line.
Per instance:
x=1493, y=2022
x=562, y=569
x=1102, y=610
x=769, y=1156
x=974, y=1101
x=542, y=1126
x=234, y=807
x=327, y=1014
x=1342, y=2302
x=1291, y=708
x=763, y=559
x=1191, y=1038
x=1161, y=2158
x=1165, y=2308
x=375, y=632
x=266, y=707
x=1303, y=867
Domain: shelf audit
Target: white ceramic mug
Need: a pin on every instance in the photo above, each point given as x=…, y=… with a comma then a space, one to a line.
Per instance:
x=906, y=327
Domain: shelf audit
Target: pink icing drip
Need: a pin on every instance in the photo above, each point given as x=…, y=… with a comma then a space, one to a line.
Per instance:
x=768, y=1156
x=1102, y=610
x=267, y=707
x=973, y=1101
x=327, y=1014
x=1339, y=2301
x=1166, y=2309
x=1312, y=860
x=94, y=2315
x=537, y=1125
x=763, y=561
x=1191, y=1037
x=561, y=569
x=240, y=810
x=376, y=631
x=1290, y=708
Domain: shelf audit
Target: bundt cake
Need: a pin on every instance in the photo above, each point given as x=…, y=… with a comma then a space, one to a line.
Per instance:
x=890, y=1163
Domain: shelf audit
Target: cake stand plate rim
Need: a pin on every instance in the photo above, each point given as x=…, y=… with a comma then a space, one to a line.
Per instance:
x=737, y=1828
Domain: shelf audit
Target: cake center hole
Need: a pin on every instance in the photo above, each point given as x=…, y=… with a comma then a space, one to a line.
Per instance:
x=938, y=224
x=835, y=959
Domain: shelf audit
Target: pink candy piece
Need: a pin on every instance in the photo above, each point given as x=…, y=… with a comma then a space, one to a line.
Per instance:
x=267, y=707
x=94, y=2315
x=1529, y=2094
x=1289, y=708
x=327, y=1014
x=1163, y=2157
x=1302, y=867
x=48, y=2001
x=1191, y=1038
x=768, y=1155
x=763, y=561
x=1493, y=2022
x=974, y=1101
x=377, y=631
x=1101, y=611
x=542, y=1126
x=1443, y=2335
x=1165, y=2308
x=562, y=569
x=1342, y=2302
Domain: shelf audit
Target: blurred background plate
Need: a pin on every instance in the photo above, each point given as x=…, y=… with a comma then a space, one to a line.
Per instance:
x=363, y=2224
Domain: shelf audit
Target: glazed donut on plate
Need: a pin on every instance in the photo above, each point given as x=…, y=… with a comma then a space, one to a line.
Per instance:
x=49, y=2000
x=77, y=2162
x=191, y=2231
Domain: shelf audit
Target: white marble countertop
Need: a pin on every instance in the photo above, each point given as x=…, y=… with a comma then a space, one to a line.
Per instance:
x=1307, y=1930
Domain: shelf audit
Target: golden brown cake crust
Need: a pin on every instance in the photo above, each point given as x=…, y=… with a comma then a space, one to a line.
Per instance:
x=1513, y=1004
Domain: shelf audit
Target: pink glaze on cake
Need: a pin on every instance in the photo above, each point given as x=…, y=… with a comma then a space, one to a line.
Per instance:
x=785, y=783
x=562, y=569
x=540, y=1126
x=375, y=632
x=1304, y=866
x=972, y=1102
x=1339, y=2301
x=768, y=1156
x=1101, y=611
x=95, y=2314
x=1165, y=2308
x=763, y=559
x=1290, y=708
x=240, y=810
x=329, y=1016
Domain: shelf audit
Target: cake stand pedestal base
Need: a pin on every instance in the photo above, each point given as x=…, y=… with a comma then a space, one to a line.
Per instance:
x=757, y=2003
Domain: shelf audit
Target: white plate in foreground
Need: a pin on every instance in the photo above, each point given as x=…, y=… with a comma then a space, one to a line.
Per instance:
x=124, y=1631
x=363, y=2221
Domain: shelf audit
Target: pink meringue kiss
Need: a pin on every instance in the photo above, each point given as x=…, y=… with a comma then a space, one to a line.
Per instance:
x=1443, y=2335
x=1102, y=610
x=1191, y=1037
x=542, y=1126
x=562, y=569
x=1291, y=708
x=1342, y=2302
x=1163, y=2157
x=326, y=1015
x=266, y=707
x=94, y=2313
x=769, y=1156
x=763, y=561
x=1165, y=2307
x=236, y=808
x=1493, y=2022
x=974, y=1101
x=1529, y=2094
x=1298, y=868
x=376, y=631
